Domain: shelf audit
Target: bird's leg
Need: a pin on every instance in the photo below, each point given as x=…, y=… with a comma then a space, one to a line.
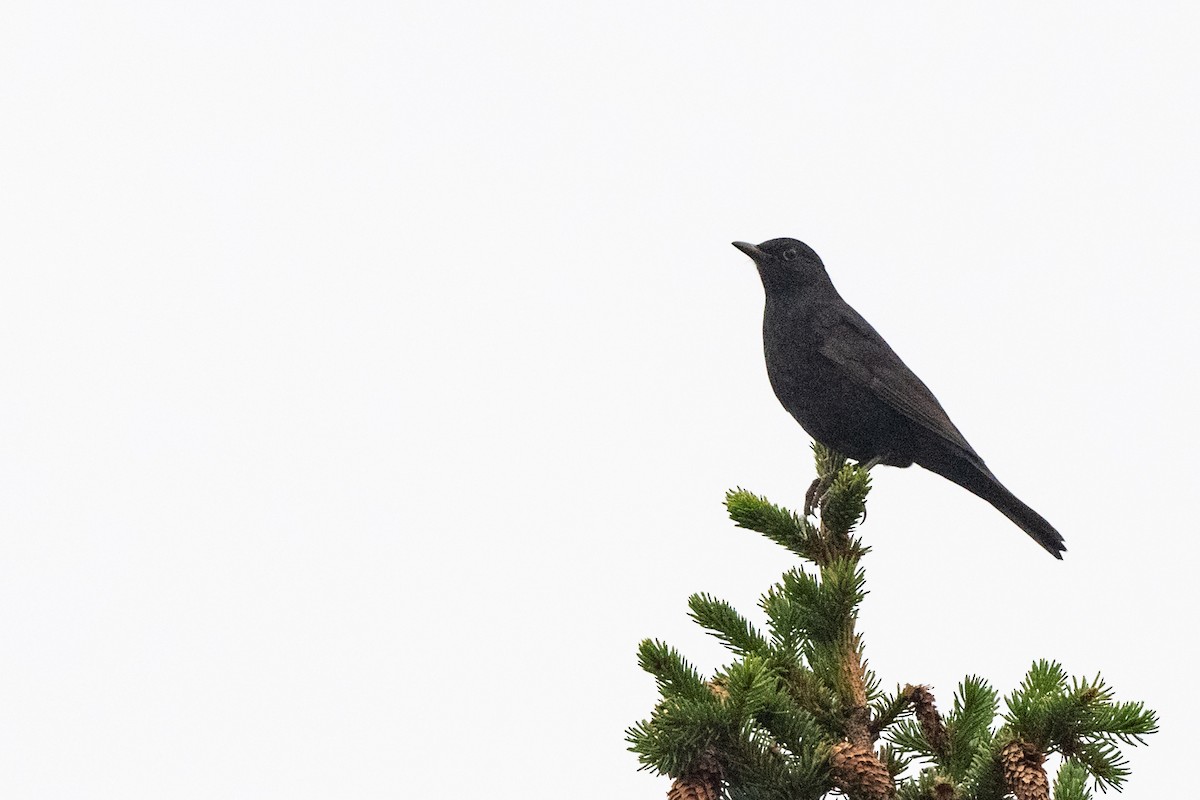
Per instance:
x=868, y=466
x=810, y=497
x=874, y=462
x=818, y=490
x=818, y=493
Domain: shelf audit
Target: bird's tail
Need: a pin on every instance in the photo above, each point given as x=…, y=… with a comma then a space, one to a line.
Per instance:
x=980, y=481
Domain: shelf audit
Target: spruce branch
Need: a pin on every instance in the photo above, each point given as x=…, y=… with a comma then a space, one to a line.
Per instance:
x=673, y=674
x=678, y=734
x=828, y=462
x=887, y=709
x=907, y=737
x=968, y=725
x=824, y=607
x=985, y=776
x=785, y=528
x=1079, y=719
x=1071, y=783
x=724, y=622
x=845, y=501
x=798, y=714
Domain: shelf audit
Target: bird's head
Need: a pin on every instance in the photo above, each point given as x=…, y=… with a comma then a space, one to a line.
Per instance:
x=785, y=265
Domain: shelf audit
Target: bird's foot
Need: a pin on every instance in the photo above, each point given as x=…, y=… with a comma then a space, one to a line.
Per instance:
x=810, y=497
x=868, y=466
x=818, y=490
x=824, y=496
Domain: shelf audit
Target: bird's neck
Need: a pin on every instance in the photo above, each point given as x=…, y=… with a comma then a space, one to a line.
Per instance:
x=815, y=291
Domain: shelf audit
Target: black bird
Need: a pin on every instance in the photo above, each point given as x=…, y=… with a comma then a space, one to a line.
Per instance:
x=851, y=392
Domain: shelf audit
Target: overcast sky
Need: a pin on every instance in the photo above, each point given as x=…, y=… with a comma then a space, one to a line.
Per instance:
x=374, y=372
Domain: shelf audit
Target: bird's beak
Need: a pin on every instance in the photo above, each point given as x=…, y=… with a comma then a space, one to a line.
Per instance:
x=750, y=250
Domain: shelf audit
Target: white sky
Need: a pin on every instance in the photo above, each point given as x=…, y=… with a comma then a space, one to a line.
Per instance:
x=373, y=372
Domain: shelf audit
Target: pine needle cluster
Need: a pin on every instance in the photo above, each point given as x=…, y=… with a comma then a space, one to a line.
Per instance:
x=798, y=713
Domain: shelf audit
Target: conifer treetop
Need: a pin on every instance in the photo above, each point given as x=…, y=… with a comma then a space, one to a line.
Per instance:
x=799, y=714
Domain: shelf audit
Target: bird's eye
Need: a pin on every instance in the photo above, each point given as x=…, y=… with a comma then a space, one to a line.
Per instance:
x=789, y=255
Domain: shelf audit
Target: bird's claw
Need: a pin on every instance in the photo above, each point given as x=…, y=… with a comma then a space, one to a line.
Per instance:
x=810, y=497
x=868, y=466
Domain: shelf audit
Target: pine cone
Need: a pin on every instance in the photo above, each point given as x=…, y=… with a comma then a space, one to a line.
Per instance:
x=1023, y=771
x=928, y=717
x=701, y=782
x=858, y=773
x=692, y=789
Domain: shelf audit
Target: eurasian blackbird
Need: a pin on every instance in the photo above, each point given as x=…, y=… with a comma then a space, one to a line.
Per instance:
x=851, y=392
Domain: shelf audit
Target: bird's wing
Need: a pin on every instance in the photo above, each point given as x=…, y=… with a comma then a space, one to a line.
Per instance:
x=850, y=342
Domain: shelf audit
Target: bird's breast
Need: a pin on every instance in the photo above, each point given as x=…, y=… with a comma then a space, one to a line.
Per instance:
x=832, y=407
